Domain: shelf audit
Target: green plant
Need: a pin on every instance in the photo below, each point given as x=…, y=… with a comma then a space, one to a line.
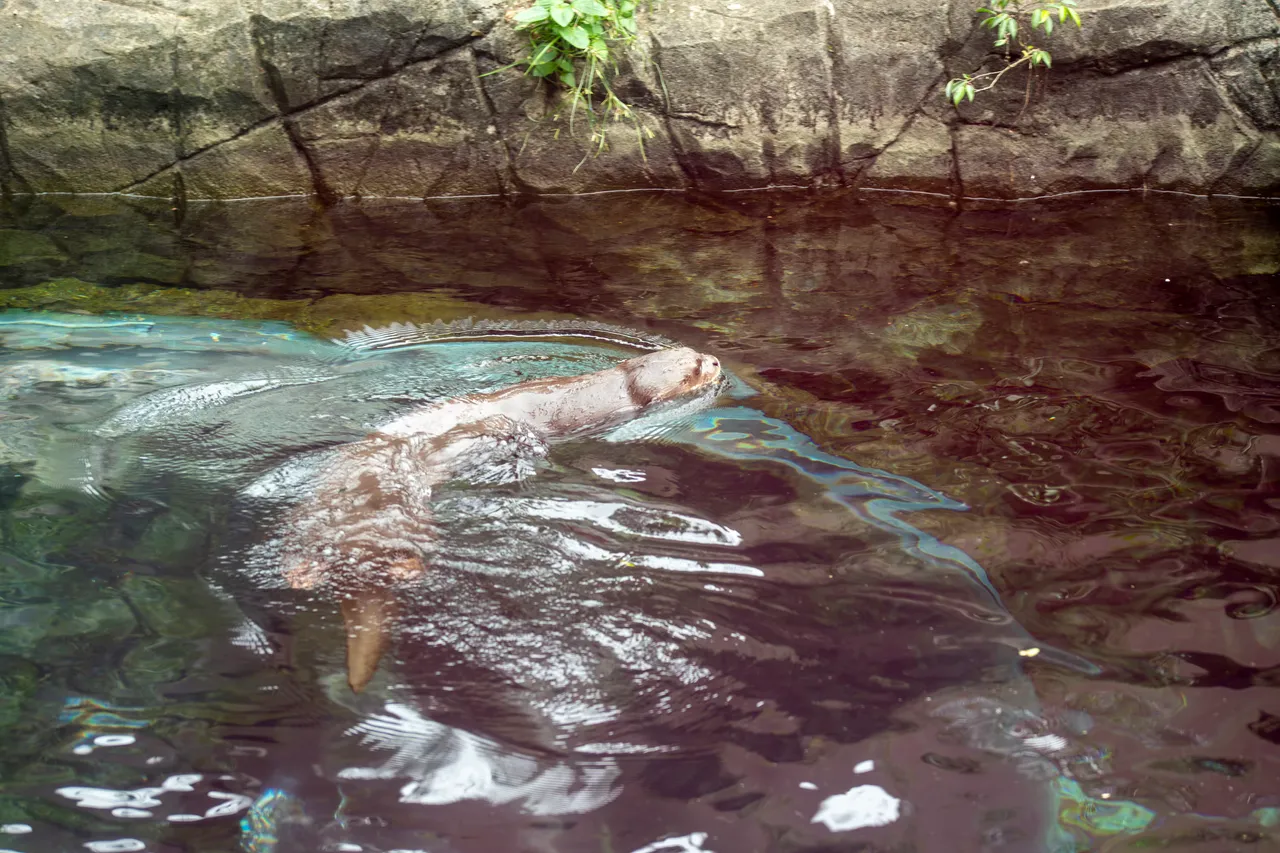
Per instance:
x=574, y=44
x=1010, y=19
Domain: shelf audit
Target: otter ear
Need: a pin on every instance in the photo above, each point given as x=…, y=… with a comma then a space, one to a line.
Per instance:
x=693, y=377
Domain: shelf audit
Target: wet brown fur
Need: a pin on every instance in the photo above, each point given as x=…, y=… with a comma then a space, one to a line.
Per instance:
x=362, y=531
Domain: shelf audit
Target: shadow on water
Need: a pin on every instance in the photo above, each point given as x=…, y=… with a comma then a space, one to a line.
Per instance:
x=976, y=553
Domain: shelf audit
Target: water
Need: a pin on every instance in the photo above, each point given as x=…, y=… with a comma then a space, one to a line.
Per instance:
x=976, y=551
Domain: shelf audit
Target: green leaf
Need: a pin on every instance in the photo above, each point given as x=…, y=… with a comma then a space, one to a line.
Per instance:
x=567, y=78
x=590, y=7
x=599, y=50
x=562, y=14
x=958, y=89
x=545, y=53
x=564, y=63
x=626, y=7
x=542, y=70
x=1075, y=16
x=575, y=36
x=628, y=24
x=531, y=16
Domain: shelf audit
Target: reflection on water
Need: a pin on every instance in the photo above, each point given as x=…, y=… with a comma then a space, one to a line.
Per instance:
x=877, y=496
x=976, y=552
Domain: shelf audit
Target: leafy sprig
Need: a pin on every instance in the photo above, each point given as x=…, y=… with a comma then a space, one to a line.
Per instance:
x=574, y=44
x=1004, y=16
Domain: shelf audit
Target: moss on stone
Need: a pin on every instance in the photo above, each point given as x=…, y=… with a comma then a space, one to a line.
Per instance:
x=328, y=316
x=333, y=315
x=173, y=608
x=20, y=247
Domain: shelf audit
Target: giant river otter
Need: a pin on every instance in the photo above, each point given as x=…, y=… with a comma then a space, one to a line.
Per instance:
x=368, y=521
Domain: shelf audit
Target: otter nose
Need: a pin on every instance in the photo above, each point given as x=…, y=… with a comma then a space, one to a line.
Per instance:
x=710, y=364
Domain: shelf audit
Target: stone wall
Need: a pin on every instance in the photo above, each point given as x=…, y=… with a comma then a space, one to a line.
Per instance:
x=234, y=98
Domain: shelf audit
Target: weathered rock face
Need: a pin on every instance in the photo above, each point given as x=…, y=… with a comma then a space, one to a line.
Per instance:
x=233, y=98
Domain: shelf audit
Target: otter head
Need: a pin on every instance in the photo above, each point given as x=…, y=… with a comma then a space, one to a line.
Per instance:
x=669, y=374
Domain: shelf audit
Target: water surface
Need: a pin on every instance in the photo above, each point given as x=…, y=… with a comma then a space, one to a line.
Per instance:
x=977, y=551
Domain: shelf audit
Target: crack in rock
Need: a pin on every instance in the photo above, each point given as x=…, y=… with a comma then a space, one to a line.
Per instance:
x=286, y=112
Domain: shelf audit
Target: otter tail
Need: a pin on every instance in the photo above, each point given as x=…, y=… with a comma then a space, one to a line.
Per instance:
x=368, y=615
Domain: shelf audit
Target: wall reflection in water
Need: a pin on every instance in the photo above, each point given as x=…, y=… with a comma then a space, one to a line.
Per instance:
x=712, y=631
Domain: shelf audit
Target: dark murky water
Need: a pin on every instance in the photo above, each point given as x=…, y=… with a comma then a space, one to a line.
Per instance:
x=978, y=550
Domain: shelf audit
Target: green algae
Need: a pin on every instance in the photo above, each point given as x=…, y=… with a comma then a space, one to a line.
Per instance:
x=172, y=608
x=947, y=327
x=21, y=247
x=158, y=661
x=332, y=315
x=171, y=540
x=327, y=316
x=72, y=294
x=19, y=680
x=36, y=526
x=58, y=628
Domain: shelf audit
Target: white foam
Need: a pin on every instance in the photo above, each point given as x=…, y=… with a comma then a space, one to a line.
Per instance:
x=864, y=805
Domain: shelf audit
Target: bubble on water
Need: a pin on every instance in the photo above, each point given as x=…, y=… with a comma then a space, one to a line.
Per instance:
x=118, y=845
x=130, y=813
x=232, y=804
x=691, y=843
x=181, y=782
x=865, y=805
x=107, y=798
